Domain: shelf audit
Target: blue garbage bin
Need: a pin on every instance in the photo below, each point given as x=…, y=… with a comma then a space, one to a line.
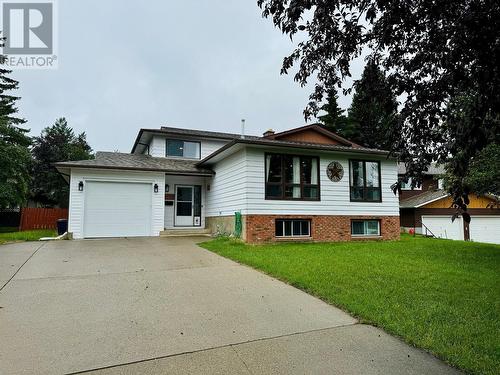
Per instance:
x=62, y=226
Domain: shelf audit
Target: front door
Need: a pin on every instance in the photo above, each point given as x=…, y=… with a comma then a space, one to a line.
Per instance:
x=184, y=206
x=187, y=205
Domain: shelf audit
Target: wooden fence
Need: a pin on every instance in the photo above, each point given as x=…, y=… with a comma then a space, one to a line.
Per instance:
x=41, y=218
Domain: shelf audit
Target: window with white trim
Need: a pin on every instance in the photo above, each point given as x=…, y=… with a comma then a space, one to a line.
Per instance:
x=182, y=149
x=292, y=228
x=365, y=227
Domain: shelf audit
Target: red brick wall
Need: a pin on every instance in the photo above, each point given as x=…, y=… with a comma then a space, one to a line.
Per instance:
x=260, y=228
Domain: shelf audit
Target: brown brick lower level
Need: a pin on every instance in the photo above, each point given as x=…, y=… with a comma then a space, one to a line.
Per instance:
x=261, y=228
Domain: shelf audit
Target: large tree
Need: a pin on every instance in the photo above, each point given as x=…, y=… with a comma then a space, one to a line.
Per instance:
x=334, y=118
x=434, y=53
x=14, y=143
x=56, y=143
x=373, y=111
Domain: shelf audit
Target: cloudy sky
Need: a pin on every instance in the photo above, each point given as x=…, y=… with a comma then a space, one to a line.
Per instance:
x=124, y=65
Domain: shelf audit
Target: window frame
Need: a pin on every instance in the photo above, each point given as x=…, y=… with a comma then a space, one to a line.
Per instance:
x=379, y=234
x=283, y=182
x=364, y=161
x=408, y=185
x=184, y=141
x=309, y=221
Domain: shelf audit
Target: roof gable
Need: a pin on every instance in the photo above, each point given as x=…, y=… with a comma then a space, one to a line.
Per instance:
x=313, y=133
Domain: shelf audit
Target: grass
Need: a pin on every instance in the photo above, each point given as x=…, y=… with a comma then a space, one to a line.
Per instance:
x=440, y=295
x=28, y=235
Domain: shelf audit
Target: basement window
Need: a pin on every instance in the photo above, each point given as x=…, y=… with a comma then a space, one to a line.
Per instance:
x=365, y=227
x=292, y=228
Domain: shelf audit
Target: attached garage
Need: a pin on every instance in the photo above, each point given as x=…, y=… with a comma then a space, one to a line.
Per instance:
x=115, y=203
x=117, y=209
x=443, y=227
x=481, y=229
x=485, y=229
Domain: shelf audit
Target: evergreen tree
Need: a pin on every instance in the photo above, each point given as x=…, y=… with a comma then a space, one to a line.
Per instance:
x=14, y=143
x=373, y=111
x=335, y=120
x=333, y=113
x=56, y=143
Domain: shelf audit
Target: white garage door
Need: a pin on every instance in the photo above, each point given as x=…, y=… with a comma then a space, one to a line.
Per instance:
x=117, y=209
x=443, y=227
x=485, y=229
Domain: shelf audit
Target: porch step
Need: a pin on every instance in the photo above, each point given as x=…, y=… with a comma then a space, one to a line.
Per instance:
x=185, y=232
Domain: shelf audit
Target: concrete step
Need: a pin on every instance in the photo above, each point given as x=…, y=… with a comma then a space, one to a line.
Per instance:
x=185, y=232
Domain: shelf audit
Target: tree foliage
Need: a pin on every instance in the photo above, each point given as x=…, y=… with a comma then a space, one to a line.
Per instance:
x=334, y=118
x=56, y=143
x=373, y=112
x=14, y=143
x=434, y=53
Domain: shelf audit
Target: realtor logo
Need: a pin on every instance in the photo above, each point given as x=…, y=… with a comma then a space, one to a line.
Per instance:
x=29, y=32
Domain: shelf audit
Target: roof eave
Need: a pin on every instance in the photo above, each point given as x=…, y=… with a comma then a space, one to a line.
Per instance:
x=289, y=145
x=137, y=169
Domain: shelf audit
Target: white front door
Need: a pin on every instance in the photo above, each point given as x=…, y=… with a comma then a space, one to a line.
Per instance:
x=184, y=206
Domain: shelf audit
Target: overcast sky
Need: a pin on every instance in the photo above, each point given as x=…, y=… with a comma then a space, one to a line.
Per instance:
x=124, y=65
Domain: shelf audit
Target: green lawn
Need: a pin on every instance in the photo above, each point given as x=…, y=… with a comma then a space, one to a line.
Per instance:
x=28, y=235
x=440, y=295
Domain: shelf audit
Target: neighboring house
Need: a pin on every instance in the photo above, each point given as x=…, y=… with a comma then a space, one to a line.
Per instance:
x=428, y=210
x=305, y=183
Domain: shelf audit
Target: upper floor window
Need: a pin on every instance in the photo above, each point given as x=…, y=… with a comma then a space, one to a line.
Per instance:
x=407, y=185
x=365, y=181
x=183, y=149
x=292, y=177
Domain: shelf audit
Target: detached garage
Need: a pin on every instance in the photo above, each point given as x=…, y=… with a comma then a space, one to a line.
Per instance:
x=431, y=212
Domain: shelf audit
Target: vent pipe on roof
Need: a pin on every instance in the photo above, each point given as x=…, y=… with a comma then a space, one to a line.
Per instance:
x=242, y=128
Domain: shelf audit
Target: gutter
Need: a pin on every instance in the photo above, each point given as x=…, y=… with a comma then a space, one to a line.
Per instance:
x=108, y=167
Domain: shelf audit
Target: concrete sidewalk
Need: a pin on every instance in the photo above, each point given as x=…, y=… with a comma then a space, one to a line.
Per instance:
x=164, y=305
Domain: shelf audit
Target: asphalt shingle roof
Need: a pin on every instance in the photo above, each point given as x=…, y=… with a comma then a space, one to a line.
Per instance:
x=422, y=199
x=434, y=169
x=117, y=160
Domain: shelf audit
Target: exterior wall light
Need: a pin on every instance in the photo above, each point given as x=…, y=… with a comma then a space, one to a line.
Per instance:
x=80, y=186
x=155, y=188
x=167, y=188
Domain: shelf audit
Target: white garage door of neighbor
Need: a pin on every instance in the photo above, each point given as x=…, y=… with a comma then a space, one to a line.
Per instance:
x=117, y=209
x=443, y=227
x=485, y=229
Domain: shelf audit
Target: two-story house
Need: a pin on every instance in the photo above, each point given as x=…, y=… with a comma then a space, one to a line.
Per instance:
x=306, y=183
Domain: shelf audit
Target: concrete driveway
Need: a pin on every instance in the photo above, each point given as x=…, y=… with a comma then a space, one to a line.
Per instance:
x=166, y=306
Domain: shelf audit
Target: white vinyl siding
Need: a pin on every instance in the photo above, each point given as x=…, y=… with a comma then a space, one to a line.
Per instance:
x=228, y=188
x=77, y=198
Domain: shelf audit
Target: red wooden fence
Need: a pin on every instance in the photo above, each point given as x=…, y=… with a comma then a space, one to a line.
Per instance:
x=41, y=218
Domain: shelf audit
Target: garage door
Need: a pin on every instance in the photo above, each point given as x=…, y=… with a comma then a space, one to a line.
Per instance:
x=117, y=209
x=443, y=227
x=485, y=229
